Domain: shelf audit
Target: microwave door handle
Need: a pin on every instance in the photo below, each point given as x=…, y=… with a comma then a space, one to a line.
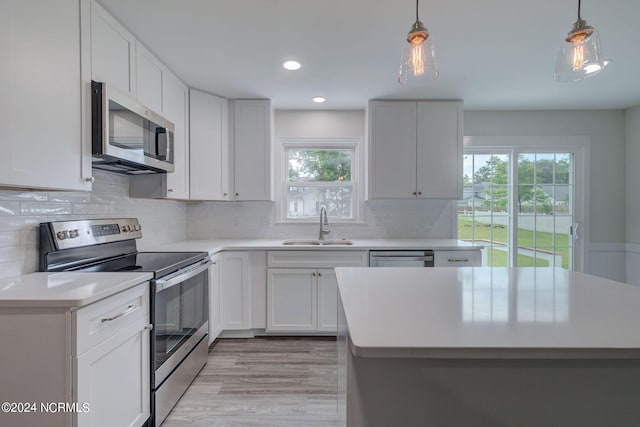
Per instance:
x=163, y=284
x=157, y=141
x=105, y=119
x=167, y=144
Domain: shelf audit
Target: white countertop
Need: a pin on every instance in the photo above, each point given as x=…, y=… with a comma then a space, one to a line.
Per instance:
x=488, y=313
x=70, y=290
x=214, y=246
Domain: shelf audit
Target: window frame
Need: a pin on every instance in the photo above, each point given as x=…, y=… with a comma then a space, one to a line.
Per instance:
x=357, y=178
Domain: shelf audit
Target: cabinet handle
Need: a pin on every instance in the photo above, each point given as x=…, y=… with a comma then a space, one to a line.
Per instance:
x=458, y=259
x=419, y=193
x=90, y=179
x=319, y=274
x=170, y=190
x=415, y=194
x=148, y=327
x=313, y=274
x=225, y=194
x=237, y=194
x=129, y=309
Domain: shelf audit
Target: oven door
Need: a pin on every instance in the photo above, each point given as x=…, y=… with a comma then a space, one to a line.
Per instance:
x=179, y=309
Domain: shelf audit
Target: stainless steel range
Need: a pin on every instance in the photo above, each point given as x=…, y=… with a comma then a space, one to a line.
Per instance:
x=179, y=294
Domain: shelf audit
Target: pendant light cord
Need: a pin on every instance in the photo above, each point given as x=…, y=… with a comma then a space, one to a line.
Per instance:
x=417, y=1
x=579, y=10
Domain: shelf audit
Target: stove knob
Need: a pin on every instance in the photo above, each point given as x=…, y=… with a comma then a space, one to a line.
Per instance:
x=137, y=227
x=125, y=228
x=74, y=233
x=62, y=234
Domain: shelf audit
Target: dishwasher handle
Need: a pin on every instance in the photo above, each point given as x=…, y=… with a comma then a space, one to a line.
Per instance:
x=402, y=258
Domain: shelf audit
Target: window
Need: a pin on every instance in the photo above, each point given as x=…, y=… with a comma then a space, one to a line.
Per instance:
x=319, y=173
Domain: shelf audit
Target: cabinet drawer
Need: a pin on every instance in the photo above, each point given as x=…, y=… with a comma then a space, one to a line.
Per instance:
x=103, y=319
x=317, y=259
x=458, y=258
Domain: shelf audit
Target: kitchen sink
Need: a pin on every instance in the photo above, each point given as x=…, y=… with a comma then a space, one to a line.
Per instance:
x=342, y=242
x=317, y=242
x=301, y=242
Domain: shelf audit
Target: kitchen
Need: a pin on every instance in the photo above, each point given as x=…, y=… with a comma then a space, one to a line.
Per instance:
x=603, y=108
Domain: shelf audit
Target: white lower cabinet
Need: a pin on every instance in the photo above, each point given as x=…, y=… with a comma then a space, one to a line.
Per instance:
x=112, y=362
x=292, y=299
x=302, y=290
x=215, y=320
x=327, y=300
x=235, y=290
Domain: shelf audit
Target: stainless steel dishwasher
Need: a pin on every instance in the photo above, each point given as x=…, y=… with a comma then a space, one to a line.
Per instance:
x=422, y=258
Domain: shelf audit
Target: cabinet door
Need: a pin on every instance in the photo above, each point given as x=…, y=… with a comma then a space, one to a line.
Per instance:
x=291, y=299
x=252, y=149
x=149, y=78
x=114, y=378
x=392, y=149
x=42, y=95
x=439, y=150
x=327, y=301
x=209, y=146
x=215, y=321
x=112, y=51
x=235, y=291
x=176, y=109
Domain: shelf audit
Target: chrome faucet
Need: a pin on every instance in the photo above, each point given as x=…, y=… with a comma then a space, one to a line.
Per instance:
x=324, y=223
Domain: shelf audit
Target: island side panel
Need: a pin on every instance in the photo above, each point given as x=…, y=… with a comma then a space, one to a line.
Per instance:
x=35, y=365
x=342, y=357
x=492, y=393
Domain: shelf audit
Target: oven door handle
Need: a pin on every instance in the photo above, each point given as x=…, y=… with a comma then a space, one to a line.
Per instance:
x=163, y=284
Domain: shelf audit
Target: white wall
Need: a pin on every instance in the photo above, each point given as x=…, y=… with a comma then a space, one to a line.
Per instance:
x=632, y=192
x=22, y=211
x=402, y=219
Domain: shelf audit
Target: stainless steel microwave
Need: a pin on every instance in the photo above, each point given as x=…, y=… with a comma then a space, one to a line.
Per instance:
x=126, y=136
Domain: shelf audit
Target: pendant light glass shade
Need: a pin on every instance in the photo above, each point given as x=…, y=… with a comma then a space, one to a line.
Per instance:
x=418, y=55
x=580, y=55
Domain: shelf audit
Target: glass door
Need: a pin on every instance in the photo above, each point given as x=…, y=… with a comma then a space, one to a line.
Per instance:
x=544, y=206
x=520, y=204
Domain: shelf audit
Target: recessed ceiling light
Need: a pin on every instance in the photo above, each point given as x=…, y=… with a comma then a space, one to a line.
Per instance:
x=319, y=99
x=291, y=65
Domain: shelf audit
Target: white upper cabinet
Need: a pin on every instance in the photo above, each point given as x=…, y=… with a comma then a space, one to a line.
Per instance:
x=150, y=76
x=44, y=80
x=439, y=151
x=175, y=95
x=415, y=149
x=392, y=154
x=252, y=149
x=209, y=146
x=175, y=108
x=113, y=52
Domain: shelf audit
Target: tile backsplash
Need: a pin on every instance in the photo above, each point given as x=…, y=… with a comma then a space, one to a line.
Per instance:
x=21, y=212
x=433, y=219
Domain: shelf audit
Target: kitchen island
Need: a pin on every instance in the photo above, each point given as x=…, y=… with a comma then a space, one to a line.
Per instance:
x=487, y=347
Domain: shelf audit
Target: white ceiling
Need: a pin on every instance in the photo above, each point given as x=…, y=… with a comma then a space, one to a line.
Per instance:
x=493, y=54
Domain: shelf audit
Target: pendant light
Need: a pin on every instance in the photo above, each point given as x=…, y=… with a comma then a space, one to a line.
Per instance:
x=418, y=56
x=580, y=55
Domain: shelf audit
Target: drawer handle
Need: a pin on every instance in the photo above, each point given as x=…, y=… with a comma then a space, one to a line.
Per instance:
x=148, y=327
x=129, y=309
x=458, y=260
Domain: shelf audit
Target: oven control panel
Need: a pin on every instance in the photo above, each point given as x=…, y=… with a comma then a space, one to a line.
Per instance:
x=73, y=234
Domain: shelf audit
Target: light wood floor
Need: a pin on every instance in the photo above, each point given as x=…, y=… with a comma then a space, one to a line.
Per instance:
x=267, y=382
